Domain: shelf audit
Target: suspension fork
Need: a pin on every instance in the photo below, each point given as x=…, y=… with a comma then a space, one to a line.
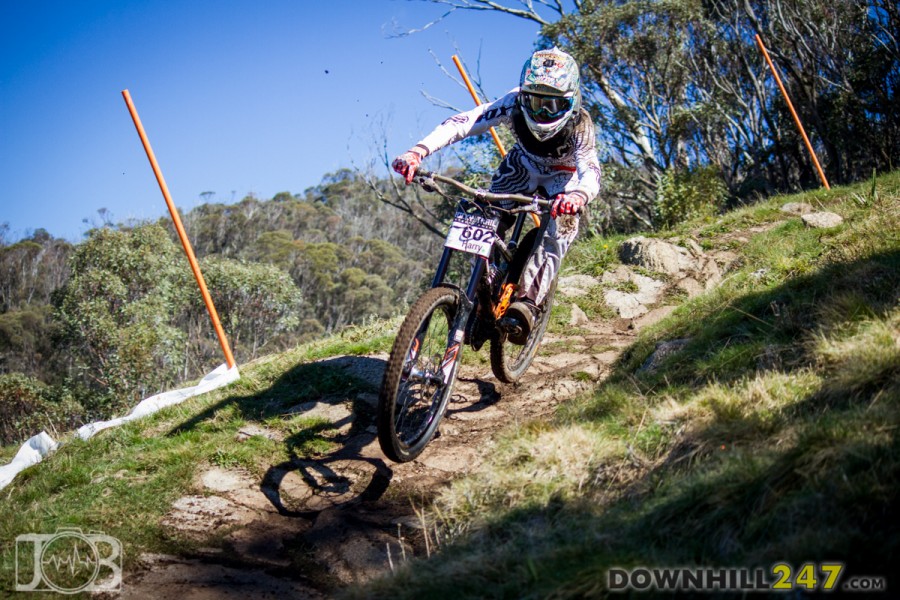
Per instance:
x=457, y=334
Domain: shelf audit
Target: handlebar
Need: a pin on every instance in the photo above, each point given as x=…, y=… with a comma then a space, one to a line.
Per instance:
x=429, y=180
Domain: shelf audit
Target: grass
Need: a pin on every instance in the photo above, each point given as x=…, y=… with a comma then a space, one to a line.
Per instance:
x=124, y=480
x=770, y=436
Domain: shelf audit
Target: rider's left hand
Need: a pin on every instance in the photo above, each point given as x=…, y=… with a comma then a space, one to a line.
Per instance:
x=567, y=204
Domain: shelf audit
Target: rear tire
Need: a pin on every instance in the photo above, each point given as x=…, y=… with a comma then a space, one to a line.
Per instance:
x=420, y=375
x=510, y=361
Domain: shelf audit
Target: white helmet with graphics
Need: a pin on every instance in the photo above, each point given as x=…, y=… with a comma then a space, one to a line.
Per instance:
x=550, y=92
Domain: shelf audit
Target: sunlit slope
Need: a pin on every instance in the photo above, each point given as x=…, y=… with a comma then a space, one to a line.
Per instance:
x=769, y=434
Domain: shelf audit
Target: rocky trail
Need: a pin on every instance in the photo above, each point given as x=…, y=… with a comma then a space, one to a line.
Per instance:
x=312, y=526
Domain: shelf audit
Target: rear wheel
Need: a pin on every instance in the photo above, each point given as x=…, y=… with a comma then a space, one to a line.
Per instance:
x=510, y=361
x=419, y=377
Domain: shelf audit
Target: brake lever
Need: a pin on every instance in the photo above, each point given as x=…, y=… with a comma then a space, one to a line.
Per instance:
x=427, y=182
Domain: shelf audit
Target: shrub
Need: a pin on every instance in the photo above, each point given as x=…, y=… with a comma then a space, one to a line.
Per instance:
x=683, y=195
x=26, y=408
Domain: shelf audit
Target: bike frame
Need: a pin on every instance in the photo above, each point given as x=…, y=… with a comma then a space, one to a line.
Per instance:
x=462, y=324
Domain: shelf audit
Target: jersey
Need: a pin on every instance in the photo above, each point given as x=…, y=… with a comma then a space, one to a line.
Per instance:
x=570, y=155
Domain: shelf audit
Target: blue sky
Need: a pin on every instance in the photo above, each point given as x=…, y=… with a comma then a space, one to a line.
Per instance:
x=237, y=97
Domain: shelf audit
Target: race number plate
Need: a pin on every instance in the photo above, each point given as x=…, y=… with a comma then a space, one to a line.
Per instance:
x=474, y=233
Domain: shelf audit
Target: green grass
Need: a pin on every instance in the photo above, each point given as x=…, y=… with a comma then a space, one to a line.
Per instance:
x=124, y=480
x=771, y=436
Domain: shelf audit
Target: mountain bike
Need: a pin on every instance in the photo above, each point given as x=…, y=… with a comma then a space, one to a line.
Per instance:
x=425, y=357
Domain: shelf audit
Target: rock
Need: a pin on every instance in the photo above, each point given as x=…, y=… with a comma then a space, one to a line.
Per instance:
x=250, y=429
x=411, y=522
x=622, y=325
x=694, y=247
x=627, y=305
x=797, y=208
x=354, y=550
x=620, y=274
x=662, y=352
x=634, y=304
x=689, y=286
x=337, y=413
x=655, y=316
x=822, y=220
x=649, y=290
x=575, y=286
x=578, y=317
x=656, y=255
x=450, y=459
x=710, y=273
x=198, y=580
x=204, y=515
x=220, y=480
x=726, y=259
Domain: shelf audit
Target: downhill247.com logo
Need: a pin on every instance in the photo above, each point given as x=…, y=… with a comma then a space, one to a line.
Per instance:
x=68, y=561
x=782, y=577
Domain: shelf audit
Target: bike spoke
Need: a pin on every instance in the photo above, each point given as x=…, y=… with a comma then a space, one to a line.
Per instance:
x=420, y=389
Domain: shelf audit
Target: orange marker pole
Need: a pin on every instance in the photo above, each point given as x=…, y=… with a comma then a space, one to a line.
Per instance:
x=471, y=88
x=474, y=94
x=207, y=299
x=787, y=99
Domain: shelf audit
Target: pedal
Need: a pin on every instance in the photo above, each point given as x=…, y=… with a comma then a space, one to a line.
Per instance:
x=510, y=326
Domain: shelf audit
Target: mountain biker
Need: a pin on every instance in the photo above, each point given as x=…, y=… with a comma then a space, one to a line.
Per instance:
x=555, y=151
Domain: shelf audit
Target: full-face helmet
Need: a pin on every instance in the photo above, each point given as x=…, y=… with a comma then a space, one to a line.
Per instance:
x=550, y=92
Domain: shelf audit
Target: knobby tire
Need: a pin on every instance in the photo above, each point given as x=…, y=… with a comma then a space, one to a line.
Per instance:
x=510, y=361
x=412, y=400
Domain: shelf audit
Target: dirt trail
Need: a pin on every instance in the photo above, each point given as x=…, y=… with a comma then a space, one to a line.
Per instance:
x=312, y=526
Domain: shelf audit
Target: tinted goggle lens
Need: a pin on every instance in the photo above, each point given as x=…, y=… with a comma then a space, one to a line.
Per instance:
x=551, y=107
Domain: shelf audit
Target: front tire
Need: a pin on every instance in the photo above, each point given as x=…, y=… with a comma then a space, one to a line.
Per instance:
x=420, y=375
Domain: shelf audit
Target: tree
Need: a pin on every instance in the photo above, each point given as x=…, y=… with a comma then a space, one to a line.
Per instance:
x=677, y=85
x=255, y=302
x=116, y=313
x=27, y=407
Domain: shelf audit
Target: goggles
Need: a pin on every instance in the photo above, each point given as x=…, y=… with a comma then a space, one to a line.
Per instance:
x=545, y=109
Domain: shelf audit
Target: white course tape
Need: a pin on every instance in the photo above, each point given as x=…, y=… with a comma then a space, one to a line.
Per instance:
x=35, y=449
x=31, y=453
x=219, y=377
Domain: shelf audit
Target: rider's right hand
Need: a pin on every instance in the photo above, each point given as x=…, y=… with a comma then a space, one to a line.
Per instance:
x=407, y=163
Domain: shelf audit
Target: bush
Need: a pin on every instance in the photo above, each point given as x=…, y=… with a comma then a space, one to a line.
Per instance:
x=117, y=314
x=688, y=194
x=26, y=408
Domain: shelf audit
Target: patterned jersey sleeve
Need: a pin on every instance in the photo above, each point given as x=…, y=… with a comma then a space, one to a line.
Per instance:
x=469, y=123
x=587, y=164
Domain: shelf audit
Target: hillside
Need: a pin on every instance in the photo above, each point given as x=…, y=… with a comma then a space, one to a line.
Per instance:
x=746, y=415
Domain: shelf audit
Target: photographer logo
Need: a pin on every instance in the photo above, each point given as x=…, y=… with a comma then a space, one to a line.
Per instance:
x=68, y=562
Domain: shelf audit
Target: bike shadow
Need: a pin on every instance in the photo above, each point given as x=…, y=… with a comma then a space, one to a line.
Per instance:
x=323, y=413
x=487, y=396
x=352, y=471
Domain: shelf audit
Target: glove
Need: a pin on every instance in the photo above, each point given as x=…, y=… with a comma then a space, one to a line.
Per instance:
x=407, y=163
x=567, y=204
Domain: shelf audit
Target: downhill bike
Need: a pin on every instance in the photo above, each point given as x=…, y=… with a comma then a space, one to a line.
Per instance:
x=426, y=354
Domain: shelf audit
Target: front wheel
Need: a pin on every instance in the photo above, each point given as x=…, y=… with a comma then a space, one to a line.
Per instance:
x=510, y=361
x=420, y=374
